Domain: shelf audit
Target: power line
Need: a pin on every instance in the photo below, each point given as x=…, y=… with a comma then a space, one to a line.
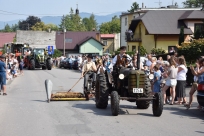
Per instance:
x=13, y=13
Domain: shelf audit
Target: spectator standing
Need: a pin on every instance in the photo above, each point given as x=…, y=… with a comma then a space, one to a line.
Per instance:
x=157, y=78
x=199, y=65
x=171, y=80
x=134, y=62
x=79, y=60
x=21, y=67
x=181, y=81
x=149, y=61
x=71, y=61
x=3, y=74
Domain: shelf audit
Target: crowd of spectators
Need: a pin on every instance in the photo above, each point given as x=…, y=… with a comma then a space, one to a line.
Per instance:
x=10, y=67
x=169, y=75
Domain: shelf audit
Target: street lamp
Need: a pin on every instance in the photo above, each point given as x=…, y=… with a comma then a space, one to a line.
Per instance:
x=64, y=40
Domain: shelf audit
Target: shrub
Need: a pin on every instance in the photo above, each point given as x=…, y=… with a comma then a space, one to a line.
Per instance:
x=192, y=51
x=158, y=51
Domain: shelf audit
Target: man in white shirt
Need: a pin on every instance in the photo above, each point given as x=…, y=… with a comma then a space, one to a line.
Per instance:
x=71, y=59
x=79, y=60
x=122, y=59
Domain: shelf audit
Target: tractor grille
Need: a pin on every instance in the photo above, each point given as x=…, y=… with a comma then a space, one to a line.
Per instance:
x=41, y=58
x=133, y=81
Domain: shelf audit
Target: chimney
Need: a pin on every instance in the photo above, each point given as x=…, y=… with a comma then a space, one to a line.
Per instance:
x=142, y=5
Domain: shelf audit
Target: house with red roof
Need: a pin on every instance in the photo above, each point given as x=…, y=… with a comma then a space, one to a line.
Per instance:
x=79, y=42
x=6, y=38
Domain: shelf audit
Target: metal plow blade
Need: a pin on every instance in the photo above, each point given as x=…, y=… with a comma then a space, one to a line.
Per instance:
x=62, y=96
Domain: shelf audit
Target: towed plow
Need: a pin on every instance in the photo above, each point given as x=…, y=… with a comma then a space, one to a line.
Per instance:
x=64, y=96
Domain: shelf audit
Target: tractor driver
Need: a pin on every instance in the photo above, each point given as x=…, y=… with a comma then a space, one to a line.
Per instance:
x=122, y=59
x=89, y=69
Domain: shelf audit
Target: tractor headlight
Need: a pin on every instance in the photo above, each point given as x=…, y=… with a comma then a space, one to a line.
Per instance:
x=121, y=76
x=151, y=76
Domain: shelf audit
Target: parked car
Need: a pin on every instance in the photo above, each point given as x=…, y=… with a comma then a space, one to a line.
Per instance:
x=200, y=95
x=62, y=62
x=66, y=63
x=75, y=65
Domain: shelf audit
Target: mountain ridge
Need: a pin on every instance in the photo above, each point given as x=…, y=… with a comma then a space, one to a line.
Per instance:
x=57, y=19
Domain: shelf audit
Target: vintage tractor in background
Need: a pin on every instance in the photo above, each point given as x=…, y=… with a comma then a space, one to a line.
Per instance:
x=38, y=59
x=128, y=84
x=16, y=49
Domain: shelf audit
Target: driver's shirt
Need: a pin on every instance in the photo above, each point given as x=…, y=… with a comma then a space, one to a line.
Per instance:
x=89, y=66
x=121, y=57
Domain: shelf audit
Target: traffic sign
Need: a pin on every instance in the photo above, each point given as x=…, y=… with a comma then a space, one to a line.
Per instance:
x=50, y=50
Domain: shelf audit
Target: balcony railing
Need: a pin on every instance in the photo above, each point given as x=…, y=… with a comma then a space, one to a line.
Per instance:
x=130, y=37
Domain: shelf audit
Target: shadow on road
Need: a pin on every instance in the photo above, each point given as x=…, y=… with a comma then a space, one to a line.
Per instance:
x=39, y=100
x=192, y=113
x=107, y=112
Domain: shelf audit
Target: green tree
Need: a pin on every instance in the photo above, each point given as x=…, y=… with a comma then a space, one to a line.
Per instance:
x=134, y=7
x=57, y=53
x=110, y=27
x=143, y=51
x=7, y=28
x=192, y=51
x=53, y=27
x=14, y=27
x=28, y=23
x=39, y=26
x=193, y=3
x=197, y=33
x=72, y=22
x=90, y=23
x=181, y=36
x=158, y=51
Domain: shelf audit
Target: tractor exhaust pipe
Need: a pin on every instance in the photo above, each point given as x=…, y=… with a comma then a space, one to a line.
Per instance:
x=138, y=58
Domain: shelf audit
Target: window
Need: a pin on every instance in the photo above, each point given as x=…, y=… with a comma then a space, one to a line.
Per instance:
x=104, y=42
x=107, y=51
x=126, y=21
x=172, y=49
x=134, y=48
x=68, y=40
x=199, y=26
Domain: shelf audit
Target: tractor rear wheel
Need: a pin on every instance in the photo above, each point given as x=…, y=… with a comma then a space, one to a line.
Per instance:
x=115, y=102
x=32, y=64
x=147, y=92
x=157, y=106
x=49, y=64
x=102, y=92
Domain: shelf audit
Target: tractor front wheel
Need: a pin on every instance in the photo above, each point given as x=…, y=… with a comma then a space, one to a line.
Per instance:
x=115, y=102
x=49, y=64
x=32, y=64
x=157, y=105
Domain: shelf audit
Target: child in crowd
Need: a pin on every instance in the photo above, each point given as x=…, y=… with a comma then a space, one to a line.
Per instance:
x=157, y=79
x=21, y=67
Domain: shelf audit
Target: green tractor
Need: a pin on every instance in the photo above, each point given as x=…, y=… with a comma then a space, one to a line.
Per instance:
x=128, y=84
x=38, y=59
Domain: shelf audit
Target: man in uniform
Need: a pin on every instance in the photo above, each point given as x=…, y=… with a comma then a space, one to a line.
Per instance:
x=90, y=69
x=122, y=59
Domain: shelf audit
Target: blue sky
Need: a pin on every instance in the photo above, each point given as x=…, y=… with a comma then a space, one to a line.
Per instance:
x=59, y=7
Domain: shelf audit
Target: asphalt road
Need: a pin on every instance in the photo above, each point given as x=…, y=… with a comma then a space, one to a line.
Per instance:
x=25, y=112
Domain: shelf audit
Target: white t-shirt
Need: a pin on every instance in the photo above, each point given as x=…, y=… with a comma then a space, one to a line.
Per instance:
x=182, y=74
x=79, y=60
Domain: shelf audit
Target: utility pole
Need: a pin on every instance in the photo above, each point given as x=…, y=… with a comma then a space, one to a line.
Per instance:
x=64, y=35
x=159, y=3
